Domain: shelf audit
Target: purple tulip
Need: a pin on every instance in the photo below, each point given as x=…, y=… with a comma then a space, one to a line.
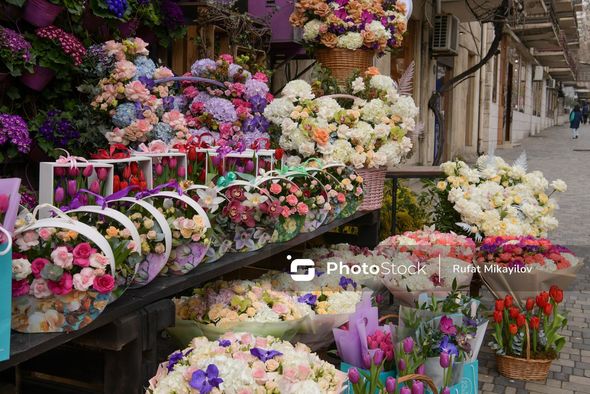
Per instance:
x=445, y=360
x=353, y=375
x=60, y=171
x=159, y=169
x=408, y=345
x=173, y=162
x=87, y=171
x=73, y=171
x=378, y=357
x=181, y=172
x=95, y=187
x=72, y=188
x=420, y=370
x=215, y=160
x=405, y=390
x=446, y=326
x=446, y=390
x=366, y=361
x=59, y=194
x=102, y=174
x=402, y=364
x=240, y=169
x=379, y=298
x=249, y=166
x=417, y=387
x=390, y=385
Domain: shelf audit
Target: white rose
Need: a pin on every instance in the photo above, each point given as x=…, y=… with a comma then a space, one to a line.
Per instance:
x=311, y=30
x=21, y=268
x=350, y=41
x=559, y=185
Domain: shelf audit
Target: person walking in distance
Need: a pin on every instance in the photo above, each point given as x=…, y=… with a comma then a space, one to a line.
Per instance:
x=585, y=112
x=575, y=120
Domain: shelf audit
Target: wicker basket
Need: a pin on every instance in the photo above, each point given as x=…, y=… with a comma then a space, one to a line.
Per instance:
x=343, y=62
x=373, y=181
x=423, y=378
x=523, y=368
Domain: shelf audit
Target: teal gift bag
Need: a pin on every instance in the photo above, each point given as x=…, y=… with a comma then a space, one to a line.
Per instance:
x=5, y=293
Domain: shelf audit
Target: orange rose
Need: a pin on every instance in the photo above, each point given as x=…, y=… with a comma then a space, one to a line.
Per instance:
x=369, y=38
x=297, y=19
x=401, y=26
x=372, y=71
x=323, y=10
x=320, y=136
x=329, y=40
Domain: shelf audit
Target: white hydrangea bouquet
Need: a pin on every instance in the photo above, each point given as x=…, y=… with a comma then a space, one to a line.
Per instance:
x=496, y=198
x=369, y=133
x=243, y=363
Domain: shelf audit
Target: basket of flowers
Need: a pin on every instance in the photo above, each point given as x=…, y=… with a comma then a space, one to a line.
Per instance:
x=63, y=274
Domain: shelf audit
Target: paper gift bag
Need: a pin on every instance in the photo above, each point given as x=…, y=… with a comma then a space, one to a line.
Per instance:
x=5, y=293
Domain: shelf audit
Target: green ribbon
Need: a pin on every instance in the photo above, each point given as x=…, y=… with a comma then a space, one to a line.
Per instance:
x=226, y=180
x=298, y=169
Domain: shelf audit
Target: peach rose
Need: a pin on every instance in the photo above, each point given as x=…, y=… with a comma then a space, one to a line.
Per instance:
x=297, y=19
x=320, y=136
x=369, y=37
x=329, y=40
x=322, y=10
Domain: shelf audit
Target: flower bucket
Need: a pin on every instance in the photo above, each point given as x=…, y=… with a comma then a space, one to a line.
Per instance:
x=186, y=255
x=152, y=263
x=72, y=309
x=41, y=13
x=344, y=367
x=342, y=63
x=39, y=79
x=374, y=182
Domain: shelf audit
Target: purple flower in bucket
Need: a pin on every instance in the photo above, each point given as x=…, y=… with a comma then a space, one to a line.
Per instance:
x=308, y=299
x=206, y=381
x=264, y=355
x=345, y=282
x=447, y=347
x=446, y=326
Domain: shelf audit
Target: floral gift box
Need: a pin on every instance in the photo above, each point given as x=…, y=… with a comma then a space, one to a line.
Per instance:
x=63, y=274
x=128, y=170
x=166, y=165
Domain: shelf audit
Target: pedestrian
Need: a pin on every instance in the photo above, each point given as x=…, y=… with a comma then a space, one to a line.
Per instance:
x=575, y=120
x=585, y=111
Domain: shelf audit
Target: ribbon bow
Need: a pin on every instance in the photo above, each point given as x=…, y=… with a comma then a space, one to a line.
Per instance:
x=73, y=160
x=156, y=146
x=158, y=189
x=287, y=170
x=104, y=201
x=226, y=180
x=116, y=151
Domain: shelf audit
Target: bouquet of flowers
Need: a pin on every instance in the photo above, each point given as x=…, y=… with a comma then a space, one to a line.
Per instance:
x=532, y=332
x=15, y=53
x=370, y=134
x=232, y=108
x=63, y=275
x=189, y=224
x=238, y=363
x=140, y=108
x=195, y=149
x=525, y=266
x=495, y=198
x=351, y=184
x=426, y=261
x=355, y=24
x=128, y=171
x=253, y=307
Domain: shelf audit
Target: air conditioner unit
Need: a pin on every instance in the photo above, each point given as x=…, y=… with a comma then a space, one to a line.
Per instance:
x=445, y=37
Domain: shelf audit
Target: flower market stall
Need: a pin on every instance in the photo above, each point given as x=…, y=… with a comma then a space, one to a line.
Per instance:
x=144, y=210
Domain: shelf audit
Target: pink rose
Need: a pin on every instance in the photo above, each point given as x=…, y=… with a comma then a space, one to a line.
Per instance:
x=63, y=287
x=98, y=260
x=304, y=371
x=163, y=72
x=37, y=266
x=261, y=77
x=82, y=253
x=281, y=309
x=290, y=374
x=275, y=188
x=286, y=212
x=104, y=284
x=227, y=58
x=84, y=279
x=136, y=91
x=157, y=146
x=259, y=374
x=261, y=342
x=242, y=112
x=140, y=46
x=246, y=339
x=292, y=200
x=62, y=258
x=302, y=208
x=45, y=234
x=40, y=289
x=293, y=188
x=341, y=197
x=20, y=287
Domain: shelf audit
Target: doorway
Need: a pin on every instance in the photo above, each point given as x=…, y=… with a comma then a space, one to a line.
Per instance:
x=508, y=100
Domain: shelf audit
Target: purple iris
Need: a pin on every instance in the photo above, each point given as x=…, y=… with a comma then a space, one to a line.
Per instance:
x=345, y=282
x=206, y=381
x=224, y=342
x=256, y=124
x=264, y=355
x=308, y=299
x=258, y=103
x=168, y=103
x=447, y=347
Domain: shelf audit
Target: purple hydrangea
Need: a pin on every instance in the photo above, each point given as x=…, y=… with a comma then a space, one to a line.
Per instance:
x=203, y=67
x=221, y=109
x=256, y=124
x=172, y=14
x=237, y=73
x=14, y=129
x=255, y=87
x=202, y=97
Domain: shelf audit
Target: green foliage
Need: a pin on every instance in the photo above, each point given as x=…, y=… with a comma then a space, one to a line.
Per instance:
x=442, y=214
x=75, y=7
x=411, y=213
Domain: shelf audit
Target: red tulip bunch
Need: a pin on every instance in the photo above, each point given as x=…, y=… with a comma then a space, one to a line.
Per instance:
x=128, y=174
x=542, y=318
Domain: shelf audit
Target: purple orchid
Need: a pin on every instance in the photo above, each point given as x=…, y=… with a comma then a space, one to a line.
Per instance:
x=446, y=326
x=447, y=347
x=345, y=282
x=224, y=342
x=308, y=299
x=264, y=355
x=206, y=381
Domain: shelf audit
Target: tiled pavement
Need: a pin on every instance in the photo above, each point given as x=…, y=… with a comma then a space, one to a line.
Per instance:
x=553, y=153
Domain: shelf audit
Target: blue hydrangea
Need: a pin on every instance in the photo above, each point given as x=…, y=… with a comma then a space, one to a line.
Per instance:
x=235, y=69
x=255, y=87
x=180, y=103
x=145, y=67
x=124, y=115
x=202, y=67
x=163, y=131
x=221, y=109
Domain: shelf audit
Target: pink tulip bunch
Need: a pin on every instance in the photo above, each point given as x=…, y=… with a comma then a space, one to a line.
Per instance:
x=168, y=168
x=68, y=181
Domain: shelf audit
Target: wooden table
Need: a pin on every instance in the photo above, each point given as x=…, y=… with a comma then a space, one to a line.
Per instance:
x=117, y=318
x=408, y=173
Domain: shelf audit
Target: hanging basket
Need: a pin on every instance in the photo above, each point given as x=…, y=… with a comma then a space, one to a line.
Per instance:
x=343, y=62
x=373, y=181
x=523, y=368
x=41, y=13
x=39, y=79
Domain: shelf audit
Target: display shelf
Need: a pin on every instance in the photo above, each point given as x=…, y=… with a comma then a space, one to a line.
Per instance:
x=27, y=346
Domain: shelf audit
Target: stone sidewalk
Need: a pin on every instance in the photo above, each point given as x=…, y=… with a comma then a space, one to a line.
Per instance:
x=558, y=156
